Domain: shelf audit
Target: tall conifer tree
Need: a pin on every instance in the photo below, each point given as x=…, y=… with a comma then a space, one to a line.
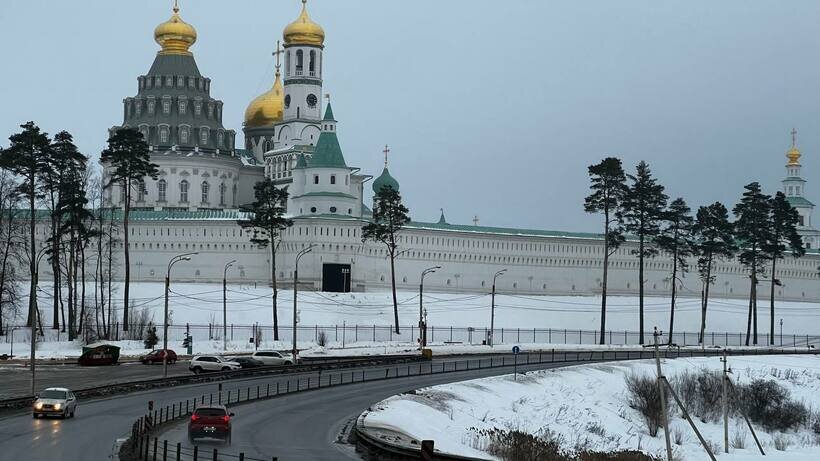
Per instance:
x=753, y=231
x=642, y=212
x=782, y=238
x=676, y=240
x=608, y=185
x=714, y=241
x=129, y=161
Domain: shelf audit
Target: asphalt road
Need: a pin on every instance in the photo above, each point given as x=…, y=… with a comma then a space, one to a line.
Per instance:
x=99, y=422
x=306, y=425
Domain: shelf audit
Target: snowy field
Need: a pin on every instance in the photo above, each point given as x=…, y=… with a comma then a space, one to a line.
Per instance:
x=586, y=406
x=364, y=319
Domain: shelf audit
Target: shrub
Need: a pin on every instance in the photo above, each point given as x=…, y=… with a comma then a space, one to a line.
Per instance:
x=781, y=442
x=769, y=404
x=701, y=393
x=321, y=339
x=644, y=396
x=151, y=338
x=515, y=445
x=738, y=441
x=614, y=456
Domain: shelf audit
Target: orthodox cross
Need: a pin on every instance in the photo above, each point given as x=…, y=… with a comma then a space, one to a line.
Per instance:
x=475, y=220
x=176, y=6
x=794, y=137
x=327, y=96
x=386, y=151
x=276, y=53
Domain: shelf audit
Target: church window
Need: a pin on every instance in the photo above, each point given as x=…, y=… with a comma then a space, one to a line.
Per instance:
x=267, y=146
x=180, y=82
x=163, y=134
x=333, y=179
x=210, y=110
x=197, y=108
x=333, y=210
x=183, y=135
x=142, y=191
x=299, y=61
x=182, y=105
x=800, y=220
x=138, y=107
x=313, y=209
x=233, y=195
x=162, y=188
x=222, y=189
x=151, y=106
x=312, y=63
x=219, y=138
x=287, y=62
x=349, y=211
x=203, y=135
x=347, y=180
x=316, y=179
x=183, y=191
x=166, y=107
x=169, y=81
x=122, y=192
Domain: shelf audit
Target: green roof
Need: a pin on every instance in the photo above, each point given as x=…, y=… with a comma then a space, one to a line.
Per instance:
x=441, y=219
x=328, y=153
x=500, y=230
x=798, y=201
x=300, y=161
x=329, y=113
x=325, y=194
x=794, y=178
x=385, y=180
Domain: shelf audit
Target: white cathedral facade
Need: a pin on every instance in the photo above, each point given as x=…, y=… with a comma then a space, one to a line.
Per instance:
x=193, y=205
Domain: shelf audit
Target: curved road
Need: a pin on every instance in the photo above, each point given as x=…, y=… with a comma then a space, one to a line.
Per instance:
x=307, y=425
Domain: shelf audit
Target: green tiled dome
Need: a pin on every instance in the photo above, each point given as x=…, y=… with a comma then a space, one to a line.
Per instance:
x=385, y=180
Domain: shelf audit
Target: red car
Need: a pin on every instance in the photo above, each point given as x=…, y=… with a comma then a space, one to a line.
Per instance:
x=211, y=421
x=157, y=356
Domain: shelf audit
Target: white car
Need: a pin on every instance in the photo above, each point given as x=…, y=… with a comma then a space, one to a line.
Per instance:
x=55, y=401
x=202, y=363
x=273, y=358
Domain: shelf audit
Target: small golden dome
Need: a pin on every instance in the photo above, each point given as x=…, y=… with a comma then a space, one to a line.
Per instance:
x=793, y=154
x=303, y=31
x=175, y=36
x=268, y=107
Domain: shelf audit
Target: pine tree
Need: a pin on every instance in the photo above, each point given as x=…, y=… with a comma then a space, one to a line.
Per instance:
x=753, y=231
x=608, y=189
x=676, y=239
x=642, y=210
x=28, y=157
x=783, y=237
x=268, y=221
x=128, y=161
x=389, y=217
x=714, y=240
x=151, y=338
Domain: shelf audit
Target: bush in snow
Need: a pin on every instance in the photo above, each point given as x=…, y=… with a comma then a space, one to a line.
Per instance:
x=644, y=396
x=515, y=445
x=321, y=339
x=701, y=393
x=151, y=338
x=769, y=404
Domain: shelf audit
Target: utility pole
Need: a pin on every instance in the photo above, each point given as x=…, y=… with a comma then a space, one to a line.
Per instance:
x=34, y=315
x=174, y=260
x=491, y=336
x=422, y=322
x=299, y=255
x=725, y=403
x=225, y=305
x=662, y=396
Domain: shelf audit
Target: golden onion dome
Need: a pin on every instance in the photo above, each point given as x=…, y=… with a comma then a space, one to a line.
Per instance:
x=303, y=31
x=268, y=107
x=175, y=36
x=793, y=154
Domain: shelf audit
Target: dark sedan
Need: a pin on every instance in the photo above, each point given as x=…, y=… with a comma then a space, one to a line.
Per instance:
x=247, y=362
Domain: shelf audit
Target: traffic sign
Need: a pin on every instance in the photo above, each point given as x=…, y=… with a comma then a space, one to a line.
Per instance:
x=516, y=350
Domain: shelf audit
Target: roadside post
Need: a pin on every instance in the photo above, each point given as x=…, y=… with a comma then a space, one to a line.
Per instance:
x=515, y=350
x=427, y=449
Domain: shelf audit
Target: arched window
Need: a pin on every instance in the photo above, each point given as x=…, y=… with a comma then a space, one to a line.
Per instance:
x=162, y=188
x=142, y=191
x=312, y=63
x=233, y=195
x=183, y=191
x=267, y=146
x=163, y=134
x=183, y=135
x=287, y=62
x=203, y=135
x=205, y=189
x=222, y=189
x=299, y=62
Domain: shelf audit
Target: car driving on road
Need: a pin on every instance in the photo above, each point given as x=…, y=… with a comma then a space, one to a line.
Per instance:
x=55, y=401
x=247, y=362
x=211, y=421
x=202, y=363
x=158, y=355
x=273, y=358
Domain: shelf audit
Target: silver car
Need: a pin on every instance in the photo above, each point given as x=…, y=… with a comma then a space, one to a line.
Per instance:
x=55, y=401
x=273, y=358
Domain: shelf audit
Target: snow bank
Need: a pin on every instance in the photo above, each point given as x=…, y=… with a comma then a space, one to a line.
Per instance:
x=586, y=406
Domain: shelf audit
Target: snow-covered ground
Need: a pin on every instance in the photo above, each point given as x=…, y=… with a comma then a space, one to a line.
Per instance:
x=586, y=406
x=364, y=319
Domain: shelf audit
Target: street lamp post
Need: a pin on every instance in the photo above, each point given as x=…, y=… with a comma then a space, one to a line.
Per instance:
x=492, y=308
x=225, y=305
x=34, y=315
x=174, y=260
x=422, y=323
x=299, y=255
x=781, y=332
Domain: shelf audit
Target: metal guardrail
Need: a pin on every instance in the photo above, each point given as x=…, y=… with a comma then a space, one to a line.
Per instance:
x=382, y=448
x=140, y=385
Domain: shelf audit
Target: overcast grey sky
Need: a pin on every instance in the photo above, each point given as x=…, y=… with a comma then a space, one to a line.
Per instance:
x=491, y=108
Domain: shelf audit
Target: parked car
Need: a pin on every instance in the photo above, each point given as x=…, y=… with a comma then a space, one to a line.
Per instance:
x=99, y=354
x=55, y=401
x=212, y=421
x=202, y=363
x=273, y=358
x=247, y=362
x=158, y=355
